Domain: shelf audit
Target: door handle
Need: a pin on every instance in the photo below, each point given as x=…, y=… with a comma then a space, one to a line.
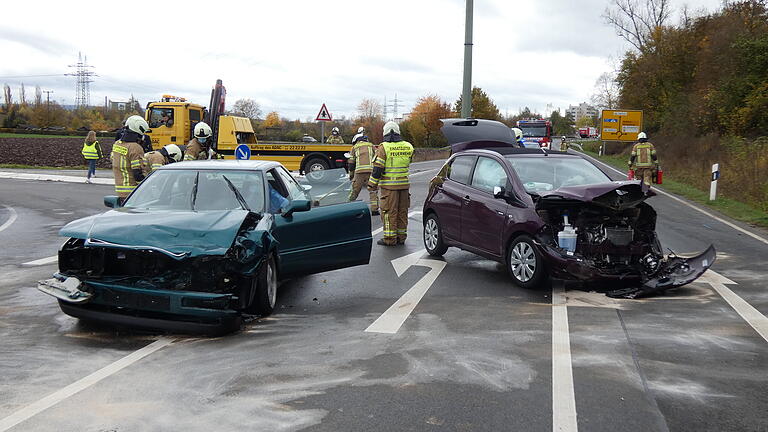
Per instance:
x=466, y=198
x=360, y=215
x=501, y=213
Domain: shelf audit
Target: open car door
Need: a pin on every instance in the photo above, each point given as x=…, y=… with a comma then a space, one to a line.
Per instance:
x=334, y=233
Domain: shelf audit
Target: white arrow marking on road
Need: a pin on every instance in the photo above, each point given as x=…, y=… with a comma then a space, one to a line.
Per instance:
x=391, y=320
x=42, y=261
x=751, y=315
x=563, y=395
x=81, y=384
x=11, y=218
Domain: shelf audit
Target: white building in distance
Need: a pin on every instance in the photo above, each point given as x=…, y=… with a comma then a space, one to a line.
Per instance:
x=576, y=112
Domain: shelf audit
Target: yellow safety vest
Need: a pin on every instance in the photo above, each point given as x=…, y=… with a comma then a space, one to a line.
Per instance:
x=89, y=150
x=399, y=155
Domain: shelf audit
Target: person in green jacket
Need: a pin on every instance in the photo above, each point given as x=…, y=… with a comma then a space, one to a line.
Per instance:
x=92, y=153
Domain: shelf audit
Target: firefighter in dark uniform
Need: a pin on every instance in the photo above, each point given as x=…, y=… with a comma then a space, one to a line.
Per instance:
x=335, y=137
x=199, y=147
x=155, y=159
x=390, y=174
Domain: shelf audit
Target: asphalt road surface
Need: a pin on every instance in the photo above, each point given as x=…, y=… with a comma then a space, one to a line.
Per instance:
x=475, y=353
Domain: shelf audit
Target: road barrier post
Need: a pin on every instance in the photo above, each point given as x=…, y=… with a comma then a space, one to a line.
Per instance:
x=713, y=184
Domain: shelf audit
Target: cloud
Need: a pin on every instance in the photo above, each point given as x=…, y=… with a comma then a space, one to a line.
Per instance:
x=37, y=40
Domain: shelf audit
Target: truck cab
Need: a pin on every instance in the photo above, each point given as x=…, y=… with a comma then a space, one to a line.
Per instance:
x=172, y=120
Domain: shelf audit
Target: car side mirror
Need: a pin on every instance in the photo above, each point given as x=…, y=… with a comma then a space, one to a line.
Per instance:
x=112, y=201
x=499, y=192
x=297, y=206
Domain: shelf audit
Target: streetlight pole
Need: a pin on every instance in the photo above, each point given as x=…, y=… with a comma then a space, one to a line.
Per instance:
x=48, y=106
x=466, y=95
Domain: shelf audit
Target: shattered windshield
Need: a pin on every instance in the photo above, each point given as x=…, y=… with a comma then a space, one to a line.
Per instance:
x=214, y=190
x=541, y=174
x=328, y=187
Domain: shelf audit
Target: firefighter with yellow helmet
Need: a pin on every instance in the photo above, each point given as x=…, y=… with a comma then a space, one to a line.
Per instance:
x=360, y=168
x=643, y=160
x=199, y=147
x=390, y=174
x=127, y=155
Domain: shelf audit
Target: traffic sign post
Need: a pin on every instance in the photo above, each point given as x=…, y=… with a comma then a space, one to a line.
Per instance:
x=242, y=152
x=323, y=116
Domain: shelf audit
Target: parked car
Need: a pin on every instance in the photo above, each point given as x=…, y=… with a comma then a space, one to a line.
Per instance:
x=545, y=213
x=307, y=138
x=199, y=243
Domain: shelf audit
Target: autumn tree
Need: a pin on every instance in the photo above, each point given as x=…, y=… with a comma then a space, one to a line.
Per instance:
x=482, y=105
x=423, y=124
x=561, y=125
x=272, y=120
x=248, y=108
x=370, y=116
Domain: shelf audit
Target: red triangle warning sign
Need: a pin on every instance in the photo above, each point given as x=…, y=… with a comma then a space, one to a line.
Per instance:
x=323, y=115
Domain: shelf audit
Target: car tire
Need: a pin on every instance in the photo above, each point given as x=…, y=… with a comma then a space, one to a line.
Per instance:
x=316, y=169
x=524, y=263
x=264, y=289
x=433, y=236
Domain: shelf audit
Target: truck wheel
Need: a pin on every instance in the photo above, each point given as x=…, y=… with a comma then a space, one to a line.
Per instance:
x=316, y=169
x=265, y=289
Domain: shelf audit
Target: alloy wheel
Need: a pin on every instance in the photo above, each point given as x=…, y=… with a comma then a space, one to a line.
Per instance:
x=431, y=232
x=523, y=262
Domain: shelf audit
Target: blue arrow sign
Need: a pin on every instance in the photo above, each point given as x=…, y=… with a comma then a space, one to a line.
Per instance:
x=610, y=120
x=242, y=152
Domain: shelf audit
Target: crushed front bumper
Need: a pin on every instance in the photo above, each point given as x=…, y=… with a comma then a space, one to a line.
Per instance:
x=111, y=302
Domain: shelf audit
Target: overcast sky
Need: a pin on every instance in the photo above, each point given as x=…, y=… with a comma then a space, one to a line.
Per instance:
x=292, y=56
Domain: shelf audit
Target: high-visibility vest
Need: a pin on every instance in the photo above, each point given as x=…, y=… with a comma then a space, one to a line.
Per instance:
x=398, y=159
x=643, y=153
x=362, y=156
x=89, y=150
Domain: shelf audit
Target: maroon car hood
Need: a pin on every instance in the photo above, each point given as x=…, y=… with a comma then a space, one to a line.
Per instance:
x=617, y=195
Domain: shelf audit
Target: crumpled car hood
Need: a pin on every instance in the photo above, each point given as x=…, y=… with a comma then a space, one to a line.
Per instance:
x=619, y=195
x=182, y=233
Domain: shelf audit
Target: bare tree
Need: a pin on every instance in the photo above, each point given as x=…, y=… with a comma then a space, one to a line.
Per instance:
x=38, y=96
x=247, y=108
x=606, y=91
x=8, y=96
x=23, y=95
x=369, y=109
x=636, y=20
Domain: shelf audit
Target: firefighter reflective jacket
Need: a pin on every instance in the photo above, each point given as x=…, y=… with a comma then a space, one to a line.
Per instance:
x=152, y=161
x=362, y=157
x=643, y=155
x=390, y=167
x=335, y=139
x=126, y=157
x=91, y=151
x=195, y=151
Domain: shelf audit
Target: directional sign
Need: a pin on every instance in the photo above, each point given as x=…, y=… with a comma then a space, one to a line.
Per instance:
x=242, y=152
x=621, y=125
x=324, y=114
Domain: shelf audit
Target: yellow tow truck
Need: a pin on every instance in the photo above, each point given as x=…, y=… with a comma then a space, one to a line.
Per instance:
x=172, y=120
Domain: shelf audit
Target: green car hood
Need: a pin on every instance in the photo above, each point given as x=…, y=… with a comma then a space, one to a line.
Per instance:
x=179, y=234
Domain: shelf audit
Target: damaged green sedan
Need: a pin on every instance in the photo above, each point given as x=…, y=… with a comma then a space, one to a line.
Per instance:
x=198, y=244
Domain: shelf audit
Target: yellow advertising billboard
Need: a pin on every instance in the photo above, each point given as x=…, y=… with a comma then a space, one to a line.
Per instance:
x=621, y=125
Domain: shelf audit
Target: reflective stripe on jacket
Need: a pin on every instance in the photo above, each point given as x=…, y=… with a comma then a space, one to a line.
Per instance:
x=126, y=157
x=362, y=156
x=395, y=158
x=643, y=155
x=152, y=161
x=90, y=151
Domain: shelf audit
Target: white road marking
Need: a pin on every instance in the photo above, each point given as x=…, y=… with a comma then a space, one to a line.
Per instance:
x=734, y=226
x=53, y=177
x=11, y=218
x=81, y=384
x=42, y=261
x=563, y=396
x=394, y=317
x=751, y=315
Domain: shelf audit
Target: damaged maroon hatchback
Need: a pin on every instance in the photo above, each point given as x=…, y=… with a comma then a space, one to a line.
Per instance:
x=546, y=213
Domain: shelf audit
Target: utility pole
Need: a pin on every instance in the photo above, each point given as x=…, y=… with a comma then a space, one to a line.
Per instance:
x=48, y=106
x=466, y=94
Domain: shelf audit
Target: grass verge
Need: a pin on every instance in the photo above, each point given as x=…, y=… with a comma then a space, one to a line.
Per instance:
x=732, y=208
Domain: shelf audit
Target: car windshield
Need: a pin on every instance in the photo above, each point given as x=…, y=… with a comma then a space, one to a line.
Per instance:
x=541, y=174
x=534, y=131
x=200, y=190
